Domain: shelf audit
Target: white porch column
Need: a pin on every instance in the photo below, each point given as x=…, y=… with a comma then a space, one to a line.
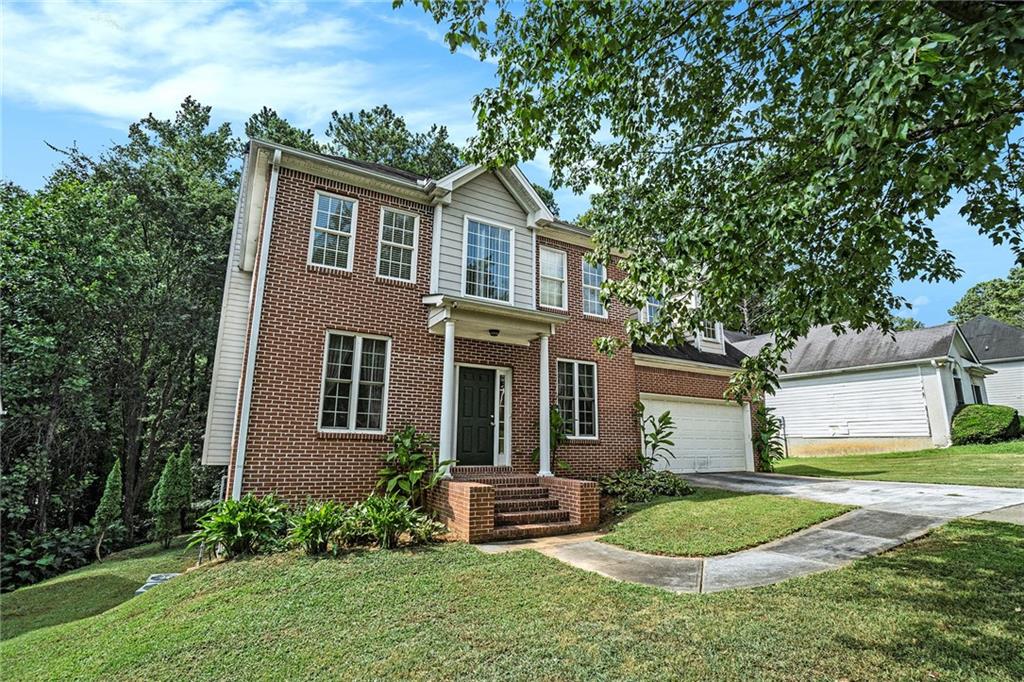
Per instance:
x=447, y=445
x=545, y=410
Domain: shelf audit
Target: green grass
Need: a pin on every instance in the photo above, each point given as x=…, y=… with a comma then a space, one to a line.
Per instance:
x=949, y=606
x=89, y=590
x=995, y=464
x=713, y=522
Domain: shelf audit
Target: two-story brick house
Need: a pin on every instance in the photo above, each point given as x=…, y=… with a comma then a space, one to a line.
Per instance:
x=361, y=298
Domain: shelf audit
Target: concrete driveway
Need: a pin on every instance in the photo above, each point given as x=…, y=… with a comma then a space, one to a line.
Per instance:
x=889, y=515
x=922, y=499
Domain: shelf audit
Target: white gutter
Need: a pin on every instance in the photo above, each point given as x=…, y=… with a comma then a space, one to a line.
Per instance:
x=254, y=330
x=859, y=368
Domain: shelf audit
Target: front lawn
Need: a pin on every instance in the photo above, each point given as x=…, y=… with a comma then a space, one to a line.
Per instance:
x=949, y=606
x=713, y=522
x=88, y=590
x=995, y=464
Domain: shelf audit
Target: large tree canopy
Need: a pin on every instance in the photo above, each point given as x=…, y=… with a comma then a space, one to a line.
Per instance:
x=1001, y=299
x=793, y=149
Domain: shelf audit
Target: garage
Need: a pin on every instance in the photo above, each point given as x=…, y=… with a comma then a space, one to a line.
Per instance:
x=710, y=435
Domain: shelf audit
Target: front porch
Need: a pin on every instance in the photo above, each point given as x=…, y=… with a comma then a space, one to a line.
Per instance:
x=488, y=503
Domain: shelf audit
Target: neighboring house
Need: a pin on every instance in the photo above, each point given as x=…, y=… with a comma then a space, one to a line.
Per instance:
x=361, y=298
x=871, y=392
x=1001, y=347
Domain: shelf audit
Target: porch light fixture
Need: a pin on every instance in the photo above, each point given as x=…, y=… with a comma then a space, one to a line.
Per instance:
x=493, y=332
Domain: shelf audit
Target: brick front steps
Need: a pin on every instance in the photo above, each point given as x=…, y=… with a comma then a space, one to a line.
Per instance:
x=496, y=503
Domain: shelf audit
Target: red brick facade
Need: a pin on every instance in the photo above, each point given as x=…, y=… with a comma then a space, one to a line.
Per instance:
x=287, y=454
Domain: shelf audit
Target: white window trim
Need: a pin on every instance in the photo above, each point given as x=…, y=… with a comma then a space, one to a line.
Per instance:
x=717, y=338
x=500, y=458
x=576, y=398
x=511, y=258
x=357, y=351
x=644, y=316
x=351, y=235
x=415, y=243
x=583, y=282
x=564, y=280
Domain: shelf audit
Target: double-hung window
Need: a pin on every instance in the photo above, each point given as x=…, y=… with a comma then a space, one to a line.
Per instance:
x=488, y=261
x=593, y=278
x=577, y=398
x=553, y=291
x=651, y=310
x=709, y=331
x=333, y=231
x=396, y=256
x=355, y=383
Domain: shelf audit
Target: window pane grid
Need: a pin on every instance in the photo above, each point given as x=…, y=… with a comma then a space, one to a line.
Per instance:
x=332, y=231
x=398, y=236
x=488, y=261
x=552, y=278
x=355, y=368
x=576, y=392
x=593, y=276
x=652, y=310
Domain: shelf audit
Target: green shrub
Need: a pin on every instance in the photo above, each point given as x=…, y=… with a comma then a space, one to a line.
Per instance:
x=172, y=496
x=985, y=424
x=38, y=556
x=411, y=468
x=768, y=441
x=247, y=526
x=314, y=526
x=632, y=485
x=383, y=520
x=657, y=437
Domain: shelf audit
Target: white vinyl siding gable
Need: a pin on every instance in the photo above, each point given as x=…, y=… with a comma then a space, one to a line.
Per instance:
x=1006, y=386
x=553, y=289
x=872, y=403
x=484, y=199
x=333, y=231
x=398, y=244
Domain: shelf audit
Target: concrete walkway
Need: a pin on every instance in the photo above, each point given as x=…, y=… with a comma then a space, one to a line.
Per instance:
x=891, y=514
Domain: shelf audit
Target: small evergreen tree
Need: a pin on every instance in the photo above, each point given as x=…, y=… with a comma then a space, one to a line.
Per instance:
x=172, y=496
x=109, y=510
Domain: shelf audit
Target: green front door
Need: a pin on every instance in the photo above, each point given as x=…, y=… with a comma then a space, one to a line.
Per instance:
x=476, y=417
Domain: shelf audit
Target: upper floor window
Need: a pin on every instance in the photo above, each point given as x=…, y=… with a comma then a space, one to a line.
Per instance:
x=355, y=380
x=577, y=398
x=552, y=278
x=334, y=226
x=396, y=256
x=593, y=277
x=488, y=261
x=709, y=331
x=651, y=310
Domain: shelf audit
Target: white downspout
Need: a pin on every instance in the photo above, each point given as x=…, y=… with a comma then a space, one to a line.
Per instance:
x=254, y=331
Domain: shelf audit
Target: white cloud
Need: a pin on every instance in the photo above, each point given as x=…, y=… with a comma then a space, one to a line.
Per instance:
x=122, y=61
x=919, y=301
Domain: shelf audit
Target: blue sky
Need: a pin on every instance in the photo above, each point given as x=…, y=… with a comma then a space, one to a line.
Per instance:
x=78, y=73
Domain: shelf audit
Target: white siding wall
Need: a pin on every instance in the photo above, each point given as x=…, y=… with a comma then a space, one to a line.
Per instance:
x=1006, y=386
x=227, y=361
x=486, y=198
x=873, y=403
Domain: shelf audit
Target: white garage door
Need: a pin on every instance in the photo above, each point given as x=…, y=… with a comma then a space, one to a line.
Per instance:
x=708, y=436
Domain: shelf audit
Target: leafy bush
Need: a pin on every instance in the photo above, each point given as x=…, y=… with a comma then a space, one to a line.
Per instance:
x=382, y=520
x=247, y=526
x=27, y=560
x=985, y=424
x=657, y=433
x=632, y=485
x=411, y=468
x=314, y=526
x=768, y=442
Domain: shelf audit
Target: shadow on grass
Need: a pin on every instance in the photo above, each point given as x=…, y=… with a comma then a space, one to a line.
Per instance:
x=805, y=470
x=63, y=601
x=957, y=618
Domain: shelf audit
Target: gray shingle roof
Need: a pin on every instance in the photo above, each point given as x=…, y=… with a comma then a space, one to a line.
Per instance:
x=690, y=353
x=822, y=350
x=993, y=340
